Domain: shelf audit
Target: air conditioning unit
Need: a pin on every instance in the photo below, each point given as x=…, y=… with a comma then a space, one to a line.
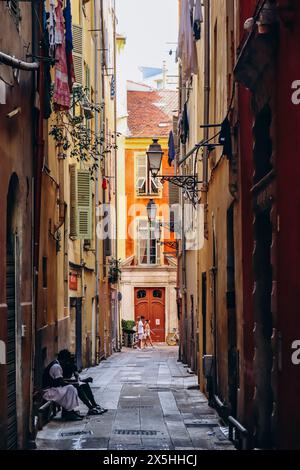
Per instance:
x=208, y=366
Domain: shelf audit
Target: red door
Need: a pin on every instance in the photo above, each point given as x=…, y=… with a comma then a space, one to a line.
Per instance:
x=150, y=303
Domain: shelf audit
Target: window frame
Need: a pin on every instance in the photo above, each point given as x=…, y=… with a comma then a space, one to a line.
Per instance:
x=148, y=239
x=149, y=179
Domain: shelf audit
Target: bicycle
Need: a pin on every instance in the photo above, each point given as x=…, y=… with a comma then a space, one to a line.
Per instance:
x=173, y=338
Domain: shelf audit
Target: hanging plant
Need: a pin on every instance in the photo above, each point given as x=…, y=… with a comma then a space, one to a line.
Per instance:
x=114, y=271
x=74, y=137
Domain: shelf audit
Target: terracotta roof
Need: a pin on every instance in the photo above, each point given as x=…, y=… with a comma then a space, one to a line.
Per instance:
x=150, y=113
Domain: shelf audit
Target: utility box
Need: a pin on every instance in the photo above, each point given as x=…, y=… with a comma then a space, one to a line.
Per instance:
x=208, y=366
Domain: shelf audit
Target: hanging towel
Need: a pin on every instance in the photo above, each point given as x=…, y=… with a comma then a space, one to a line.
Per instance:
x=61, y=97
x=69, y=44
x=171, y=145
x=225, y=138
x=198, y=20
x=52, y=28
x=186, y=51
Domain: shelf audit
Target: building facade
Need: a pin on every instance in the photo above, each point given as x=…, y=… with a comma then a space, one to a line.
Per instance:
x=149, y=268
x=232, y=297
x=18, y=154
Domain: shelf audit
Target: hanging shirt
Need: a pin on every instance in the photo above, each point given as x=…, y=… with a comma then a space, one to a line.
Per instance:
x=61, y=97
x=197, y=20
x=52, y=28
x=186, y=51
x=69, y=44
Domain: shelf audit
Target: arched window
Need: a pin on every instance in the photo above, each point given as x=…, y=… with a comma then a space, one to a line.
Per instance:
x=141, y=294
x=157, y=294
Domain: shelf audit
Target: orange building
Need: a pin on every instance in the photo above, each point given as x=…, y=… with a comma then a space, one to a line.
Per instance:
x=149, y=267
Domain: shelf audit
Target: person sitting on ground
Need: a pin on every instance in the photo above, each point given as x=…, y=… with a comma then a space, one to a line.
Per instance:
x=58, y=390
x=71, y=375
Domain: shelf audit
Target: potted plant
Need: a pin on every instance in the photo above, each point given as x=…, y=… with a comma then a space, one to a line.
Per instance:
x=128, y=332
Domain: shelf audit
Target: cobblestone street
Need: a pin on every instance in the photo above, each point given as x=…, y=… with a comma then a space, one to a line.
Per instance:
x=153, y=404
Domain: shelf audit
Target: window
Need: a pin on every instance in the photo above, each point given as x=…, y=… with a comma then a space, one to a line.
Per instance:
x=80, y=204
x=148, y=248
x=145, y=183
x=77, y=53
x=141, y=294
x=157, y=294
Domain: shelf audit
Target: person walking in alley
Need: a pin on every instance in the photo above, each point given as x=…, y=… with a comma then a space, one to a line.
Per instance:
x=148, y=332
x=141, y=333
x=71, y=375
x=58, y=390
x=139, y=327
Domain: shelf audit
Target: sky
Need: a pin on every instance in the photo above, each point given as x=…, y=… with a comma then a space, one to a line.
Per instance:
x=148, y=26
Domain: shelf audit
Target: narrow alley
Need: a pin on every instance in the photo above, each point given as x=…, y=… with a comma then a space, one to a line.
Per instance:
x=153, y=403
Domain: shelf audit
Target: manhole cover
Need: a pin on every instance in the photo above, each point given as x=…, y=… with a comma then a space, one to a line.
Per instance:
x=75, y=433
x=134, y=432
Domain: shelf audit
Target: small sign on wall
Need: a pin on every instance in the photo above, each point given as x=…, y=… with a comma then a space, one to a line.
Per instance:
x=73, y=283
x=157, y=322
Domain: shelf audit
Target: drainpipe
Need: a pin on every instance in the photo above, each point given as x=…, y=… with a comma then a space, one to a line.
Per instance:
x=118, y=329
x=38, y=155
x=17, y=63
x=96, y=19
x=206, y=108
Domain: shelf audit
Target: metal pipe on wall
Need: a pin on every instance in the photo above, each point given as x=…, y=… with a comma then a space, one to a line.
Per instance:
x=97, y=199
x=206, y=108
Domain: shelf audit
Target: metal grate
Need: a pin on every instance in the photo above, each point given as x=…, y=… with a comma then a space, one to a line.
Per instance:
x=76, y=433
x=134, y=432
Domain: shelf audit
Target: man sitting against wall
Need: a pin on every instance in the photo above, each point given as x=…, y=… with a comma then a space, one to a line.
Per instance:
x=71, y=376
x=56, y=389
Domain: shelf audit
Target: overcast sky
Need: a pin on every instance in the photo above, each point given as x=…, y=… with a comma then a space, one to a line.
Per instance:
x=148, y=25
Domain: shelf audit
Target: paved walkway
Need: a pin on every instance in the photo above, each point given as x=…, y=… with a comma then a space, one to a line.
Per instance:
x=153, y=404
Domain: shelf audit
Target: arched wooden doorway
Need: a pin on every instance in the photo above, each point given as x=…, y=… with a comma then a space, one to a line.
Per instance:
x=150, y=303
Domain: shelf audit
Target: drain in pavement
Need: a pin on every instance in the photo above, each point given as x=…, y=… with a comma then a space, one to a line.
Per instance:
x=130, y=407
x=134, y=432
x=75, y=433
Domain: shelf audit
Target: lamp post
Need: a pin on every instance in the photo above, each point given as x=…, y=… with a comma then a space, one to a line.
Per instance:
x=154, y=155
x=152, y=213
x=188, y=183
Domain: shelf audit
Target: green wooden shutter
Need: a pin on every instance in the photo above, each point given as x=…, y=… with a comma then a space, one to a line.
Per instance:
x=84, y=204
x=73, y=202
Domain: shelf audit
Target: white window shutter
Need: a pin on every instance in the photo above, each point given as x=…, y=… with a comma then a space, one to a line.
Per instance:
x=77, y=53
x=84, y=204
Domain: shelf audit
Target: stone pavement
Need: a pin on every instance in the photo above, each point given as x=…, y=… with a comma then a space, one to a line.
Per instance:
x=153, y=404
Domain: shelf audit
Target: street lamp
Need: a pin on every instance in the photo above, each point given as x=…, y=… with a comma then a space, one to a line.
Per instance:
x=154, y=155
x=151, y=211
x=188, y=183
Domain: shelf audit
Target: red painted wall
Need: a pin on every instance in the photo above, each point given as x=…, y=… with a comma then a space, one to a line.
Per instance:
x=288, y=177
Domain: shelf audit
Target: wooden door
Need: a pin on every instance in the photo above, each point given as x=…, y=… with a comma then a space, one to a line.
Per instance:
x=150, y=303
